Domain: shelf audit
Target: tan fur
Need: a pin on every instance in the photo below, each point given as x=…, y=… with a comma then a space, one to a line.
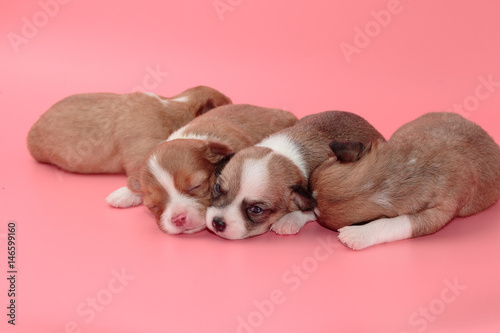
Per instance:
x=311, y=135
x=112, y=133
x=432, y=169
x=229, y=129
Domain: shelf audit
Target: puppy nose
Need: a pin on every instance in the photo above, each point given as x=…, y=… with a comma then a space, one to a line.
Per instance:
x=219, y=224
x=179, y=220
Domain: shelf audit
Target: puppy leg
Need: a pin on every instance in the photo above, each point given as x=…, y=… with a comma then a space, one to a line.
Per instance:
x=129, y=195
x=292, y=222
x=123, y=198
x=392, y=229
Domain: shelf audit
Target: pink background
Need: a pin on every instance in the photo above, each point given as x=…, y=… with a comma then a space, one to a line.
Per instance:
x=420, y=56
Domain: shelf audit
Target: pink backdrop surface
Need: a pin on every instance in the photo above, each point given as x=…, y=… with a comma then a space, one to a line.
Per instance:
x=85, y=267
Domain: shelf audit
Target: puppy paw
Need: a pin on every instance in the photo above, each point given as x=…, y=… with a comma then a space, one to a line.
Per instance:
x=354, y=237
x=284, y=227
x=291, y=223
x=124, y=197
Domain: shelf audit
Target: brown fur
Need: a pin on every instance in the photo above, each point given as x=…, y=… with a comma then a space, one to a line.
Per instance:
x=434, y=168
x=112, y=133
x=281, y=194
x=229, y=129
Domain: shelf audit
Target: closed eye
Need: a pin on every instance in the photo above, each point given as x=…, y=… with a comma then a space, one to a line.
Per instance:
x=195, y=188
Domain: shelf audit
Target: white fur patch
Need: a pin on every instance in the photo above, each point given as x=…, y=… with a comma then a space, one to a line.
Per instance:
x=254, y=178
x=283, y=145
x=123, y=198
x=178, y=204
x=182, y=133
x=291, y=223
x=163, y=101
x=381, y=199
x=182, y=99
x=376, y=232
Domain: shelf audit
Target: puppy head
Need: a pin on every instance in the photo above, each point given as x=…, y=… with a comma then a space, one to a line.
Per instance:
x=202, y=99
x=255, y=189
x=177, y=180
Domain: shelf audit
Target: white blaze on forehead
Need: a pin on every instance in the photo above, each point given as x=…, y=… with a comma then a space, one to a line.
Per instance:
x=178, y=204
x=283, y=145
x=254, y=178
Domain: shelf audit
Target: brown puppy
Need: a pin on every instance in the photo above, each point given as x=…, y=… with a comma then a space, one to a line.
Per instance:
x=178, y=176
x=264, y=187
x=112, y=133
x=432, y=169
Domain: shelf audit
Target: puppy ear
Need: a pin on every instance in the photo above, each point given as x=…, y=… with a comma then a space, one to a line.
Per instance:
x=303, y=198
x=205, y=107
x=350, y=151
x=217, y=151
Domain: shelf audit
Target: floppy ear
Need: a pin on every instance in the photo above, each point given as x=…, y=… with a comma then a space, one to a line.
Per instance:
x=205, y=107
x=303, y=198
x=217, y=151
x=350, y=151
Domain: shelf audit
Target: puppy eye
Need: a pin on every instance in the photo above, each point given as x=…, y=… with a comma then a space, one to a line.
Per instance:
x=256, y=210
x=217, y=191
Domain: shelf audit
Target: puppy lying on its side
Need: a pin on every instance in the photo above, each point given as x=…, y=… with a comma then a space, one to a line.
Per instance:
x=265, y=186
x=112, y=133
x=178, y=176
x=432, y=169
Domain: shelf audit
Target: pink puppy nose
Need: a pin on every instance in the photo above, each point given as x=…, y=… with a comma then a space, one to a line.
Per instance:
x=179, y=220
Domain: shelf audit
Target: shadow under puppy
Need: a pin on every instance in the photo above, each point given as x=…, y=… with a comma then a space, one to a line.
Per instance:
x=178, y=176
x=113, y=133
x=432, y=169
x=265, y=186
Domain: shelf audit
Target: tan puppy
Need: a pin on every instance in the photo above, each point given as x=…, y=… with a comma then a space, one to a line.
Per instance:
x=111, y=133
x=432, y=169
x=265, y=186
x=178, y=176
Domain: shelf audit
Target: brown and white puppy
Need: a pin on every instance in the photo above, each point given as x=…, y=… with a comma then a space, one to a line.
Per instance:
x=432, y=169
x=265, y=186
x=112, y=133
x=178, y=176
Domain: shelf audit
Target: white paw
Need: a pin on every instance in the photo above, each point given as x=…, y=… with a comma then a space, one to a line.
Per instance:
x=124, y=197
x=285, y=227
x=291, y=223
x=355, y=237
x=376, y=232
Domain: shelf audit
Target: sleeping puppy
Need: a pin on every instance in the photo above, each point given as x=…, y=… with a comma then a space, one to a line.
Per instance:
x=112, y=133
x=432, y=169
x=265, y=186
x=178, y=176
